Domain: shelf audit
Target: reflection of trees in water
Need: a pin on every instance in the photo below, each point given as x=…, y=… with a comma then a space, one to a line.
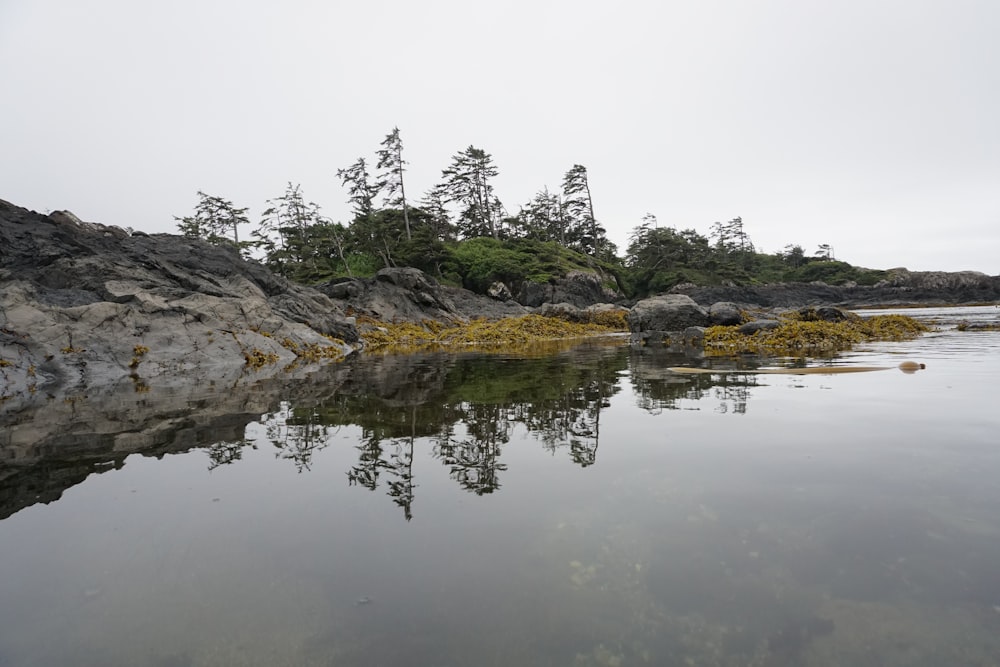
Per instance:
x=464, y=407
x=473, y=460
x=224, y=453
x=733, y=398
x=394, y=458
x=297, y=433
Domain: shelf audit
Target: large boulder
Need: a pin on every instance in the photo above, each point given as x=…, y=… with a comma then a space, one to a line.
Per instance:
x=667, y=312
x=578, y=288
x=725, y=313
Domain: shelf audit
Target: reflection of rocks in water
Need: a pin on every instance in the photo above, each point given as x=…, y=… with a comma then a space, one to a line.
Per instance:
x=48, y=446
x=659, y=388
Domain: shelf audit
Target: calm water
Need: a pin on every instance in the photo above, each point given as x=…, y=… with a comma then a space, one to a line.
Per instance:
x=575, y=507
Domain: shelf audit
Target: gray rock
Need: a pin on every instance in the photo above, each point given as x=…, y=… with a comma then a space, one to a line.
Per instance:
x=578, y=288
x=563, y=311
x=751, y=328
x=408, y=294
x=667, y=312
x=823, y=314
x=725, y=313
x=82, y=304
x=499, y=291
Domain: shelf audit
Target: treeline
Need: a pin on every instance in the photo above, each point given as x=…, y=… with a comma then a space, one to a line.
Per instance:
x=460, y=232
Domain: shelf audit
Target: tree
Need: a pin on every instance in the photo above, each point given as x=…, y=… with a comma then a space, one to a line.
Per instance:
x=434, y=204
x=361, y=192
x=733, y=243
x=390, y=160
x=467, y=183
x=825, y=251
x=543, y=218
x=288, y=220
x=585, y=234
x=214, y=220
x=794, y=256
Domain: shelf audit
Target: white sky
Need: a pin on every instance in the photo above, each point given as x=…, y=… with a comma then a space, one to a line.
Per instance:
x=870, y=125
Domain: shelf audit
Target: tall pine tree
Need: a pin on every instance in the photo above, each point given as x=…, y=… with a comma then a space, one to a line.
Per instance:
x=390, y=180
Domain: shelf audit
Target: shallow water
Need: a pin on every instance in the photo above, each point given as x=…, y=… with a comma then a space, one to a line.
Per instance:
x=575, y=506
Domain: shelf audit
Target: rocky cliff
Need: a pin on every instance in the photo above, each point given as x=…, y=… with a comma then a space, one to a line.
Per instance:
x=87, y=304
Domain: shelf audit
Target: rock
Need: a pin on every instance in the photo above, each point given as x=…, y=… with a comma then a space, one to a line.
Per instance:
x=667, y=312
x=563, y=311
x=408, y=294
x=823, y=314
x=578, y=288
x=605, y=313
x=86, y=304
x=901, y=287
x=499, y=291
x=751, y=328
x=725, y=313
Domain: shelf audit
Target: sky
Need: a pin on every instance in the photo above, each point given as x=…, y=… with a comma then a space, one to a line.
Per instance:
x=872, y=126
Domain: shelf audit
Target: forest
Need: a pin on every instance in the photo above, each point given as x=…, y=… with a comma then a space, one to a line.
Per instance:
x=462, y=234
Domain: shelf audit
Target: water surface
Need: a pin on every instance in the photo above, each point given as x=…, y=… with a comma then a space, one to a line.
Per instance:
x=573, y=506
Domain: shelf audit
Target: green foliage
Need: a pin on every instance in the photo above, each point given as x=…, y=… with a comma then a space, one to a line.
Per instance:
x=482, y=261
x=833, y=272
x=215, y=220
x=467, y=182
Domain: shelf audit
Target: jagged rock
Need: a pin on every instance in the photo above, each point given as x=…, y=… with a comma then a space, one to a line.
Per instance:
x=578, y=288
x=499, y=291
x=86, y=304
x=725, y=313
x=408, y=294
x=667, y=312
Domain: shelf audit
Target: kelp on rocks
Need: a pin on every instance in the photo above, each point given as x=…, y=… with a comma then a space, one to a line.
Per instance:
x=794, y=334
x=506, y=333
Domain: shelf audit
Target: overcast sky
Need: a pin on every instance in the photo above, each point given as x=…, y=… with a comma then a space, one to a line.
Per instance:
x=869, y=125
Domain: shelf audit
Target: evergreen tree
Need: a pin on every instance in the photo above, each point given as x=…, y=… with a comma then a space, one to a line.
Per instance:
x=215, y=219
x=361, y=192
x=733, y=244
x=287, y=220
x=584, y=234
x=390, y=161
x=544, y=218
x=467, y=183
x=435, y=205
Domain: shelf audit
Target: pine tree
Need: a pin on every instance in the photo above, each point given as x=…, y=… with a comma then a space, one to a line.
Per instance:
x=390, y=161
x=583, y=231
x=361, y=192
x=214, y=220
x=467, y=183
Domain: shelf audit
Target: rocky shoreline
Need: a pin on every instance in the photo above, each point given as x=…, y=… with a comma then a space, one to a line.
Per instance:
x=83, y=304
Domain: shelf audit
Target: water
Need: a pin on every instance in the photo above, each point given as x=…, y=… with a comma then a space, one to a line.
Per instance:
x=574, y=506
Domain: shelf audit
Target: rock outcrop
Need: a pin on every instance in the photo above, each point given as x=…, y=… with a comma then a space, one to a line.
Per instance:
x=408, y=294
x=901, y=287
x=578, y=288
x=87, y=304
x=667, y=312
